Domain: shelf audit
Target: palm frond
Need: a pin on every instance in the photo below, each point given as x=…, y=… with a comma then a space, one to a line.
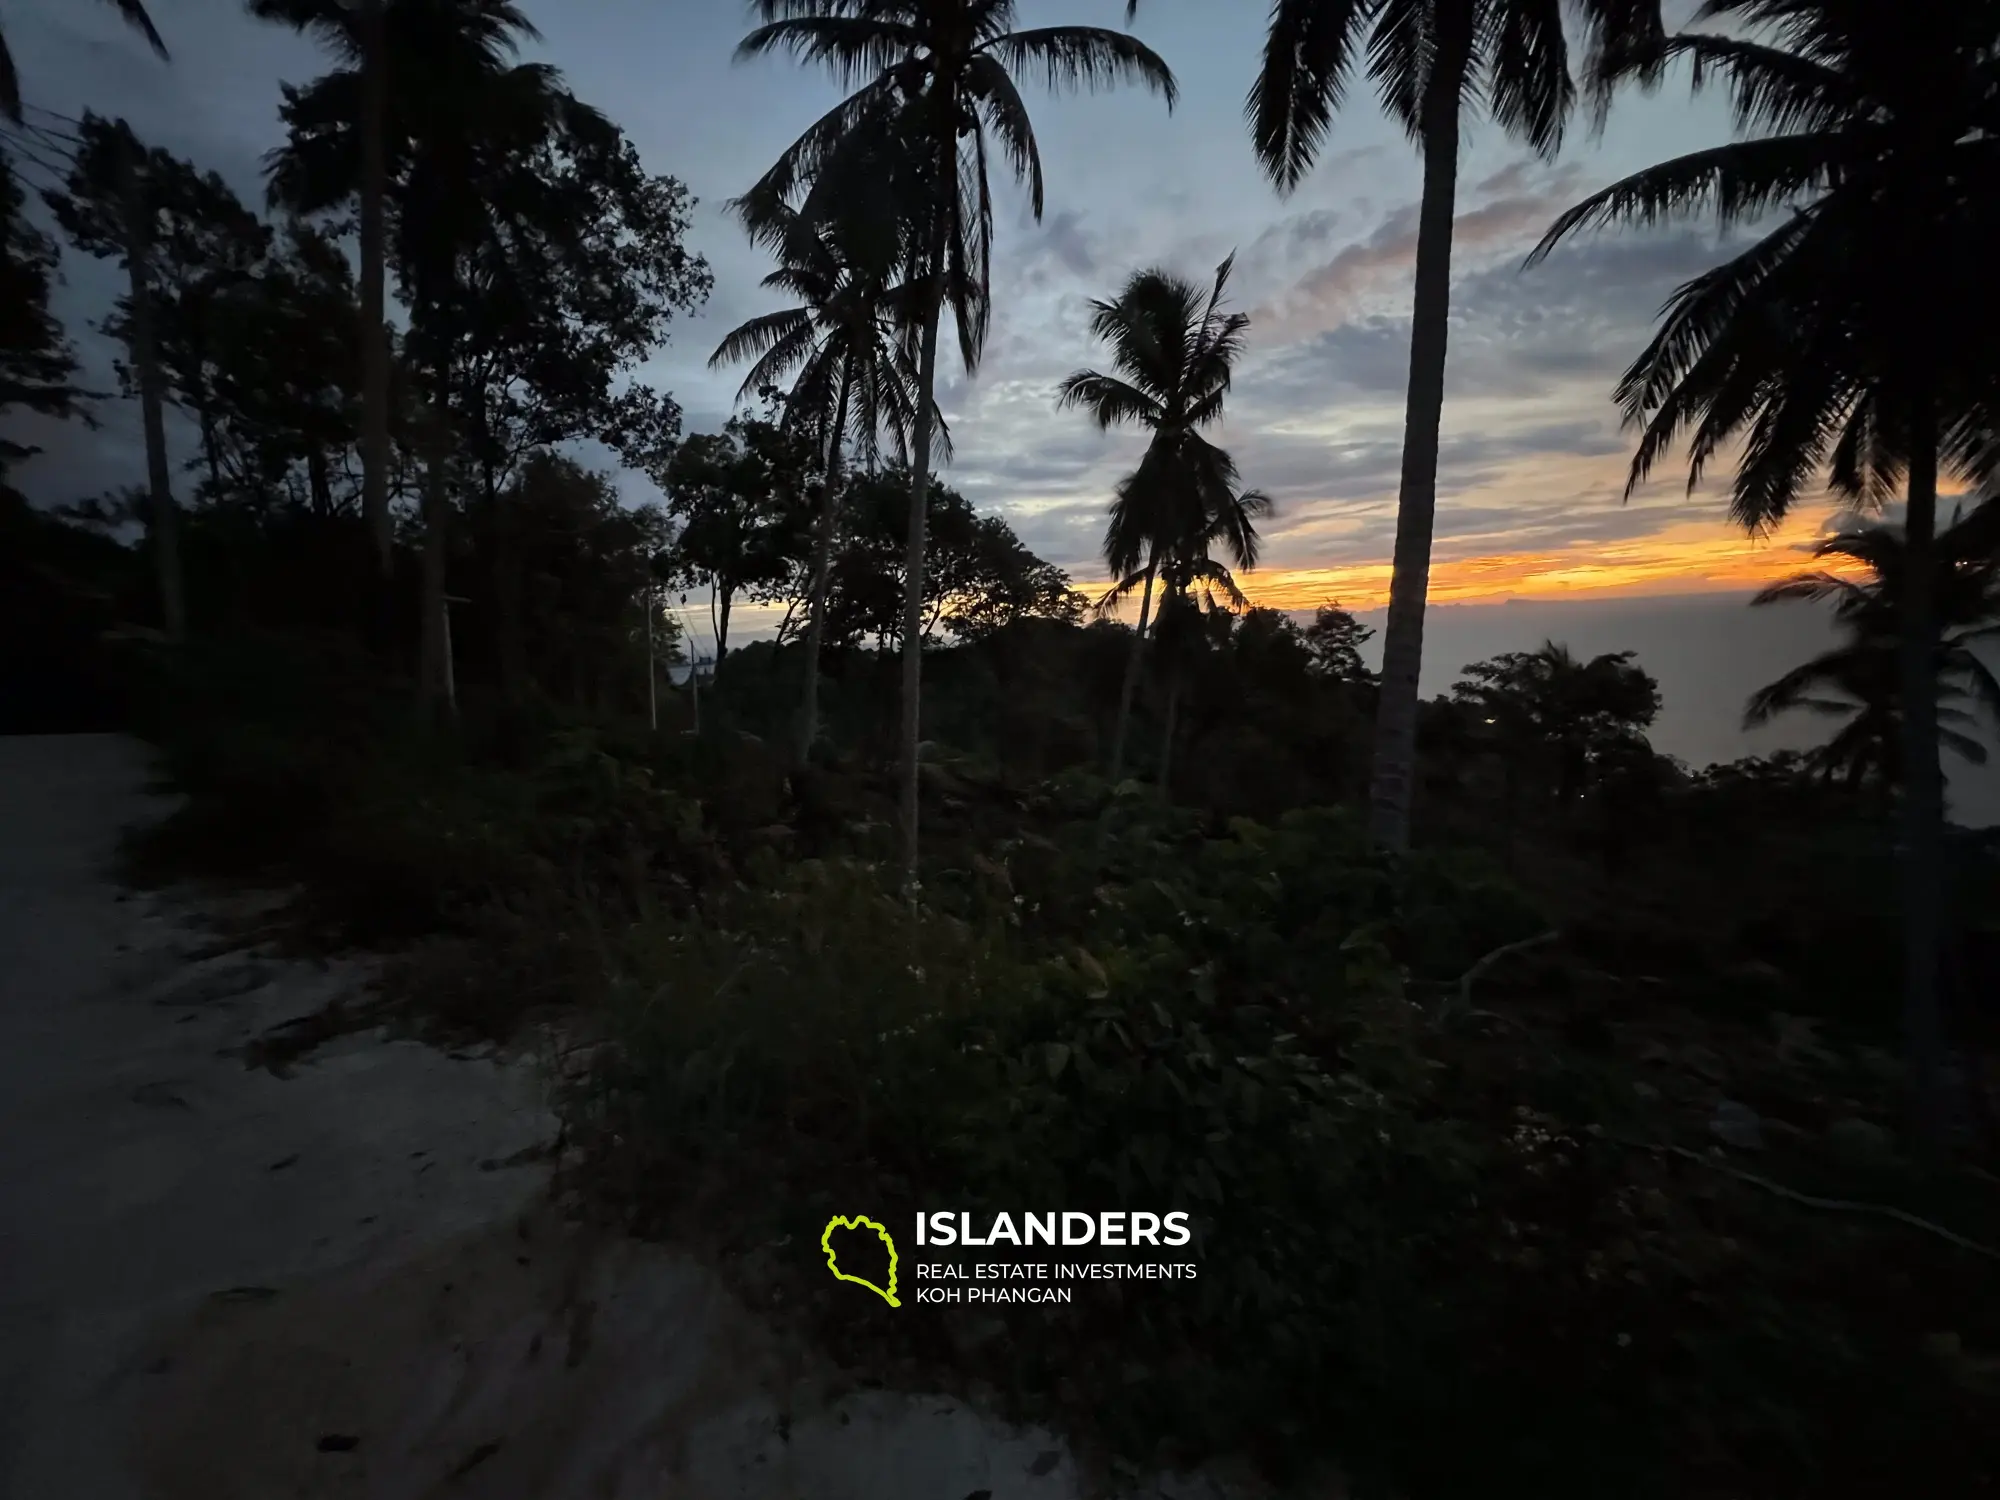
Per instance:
x=1773, y=90
x=1738, y=182
x=851, y=47
x=1529, y=89
x=1085, y=57
x=1006, y=115
x=135, y=16
x=751, y=338
x=1402, y=53
x=1309, y=52
x=1110, y=401
x=861, y=114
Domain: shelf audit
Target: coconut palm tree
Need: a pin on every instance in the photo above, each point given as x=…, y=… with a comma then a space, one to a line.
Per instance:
x=1860, y=680
x=455, y=151
x=848, y=349
x=1174, y=352
x=355, y=31
x=937, y=96
x=1427, y=58
x=10, y=81
x=1833, y=345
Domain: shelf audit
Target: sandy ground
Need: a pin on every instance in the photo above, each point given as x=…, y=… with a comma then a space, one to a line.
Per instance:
x=224, y=1285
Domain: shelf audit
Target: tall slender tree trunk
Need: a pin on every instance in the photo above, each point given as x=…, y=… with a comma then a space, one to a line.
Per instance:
x=211, y=451
x=1167, y=734
x=1128, y=689
x=652, y=669
x=510, y=647
x=829, y=515
x=694, y=681
x=1394, y=772
x=432, y=636
x=374, y=331
x=913, y=558
x=728, y=597
x=164, y=519
x=320, y=480
x=1923, y=793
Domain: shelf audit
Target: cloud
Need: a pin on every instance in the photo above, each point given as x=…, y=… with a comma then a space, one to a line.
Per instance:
x=1531, y=456
x=1064, y=238
x=1329, y=291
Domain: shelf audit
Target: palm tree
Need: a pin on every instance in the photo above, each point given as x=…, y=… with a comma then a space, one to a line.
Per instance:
x=1175, y=353
x=912, y=143
x=355, y=32
x=1832, y=344
x=453, y=150
x=1426, y=57
x=847, y=347
x=135, y=15
x=1552, y=712
x=1859, y=680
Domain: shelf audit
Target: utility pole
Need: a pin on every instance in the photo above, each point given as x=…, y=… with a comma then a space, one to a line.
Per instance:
x=165, y=522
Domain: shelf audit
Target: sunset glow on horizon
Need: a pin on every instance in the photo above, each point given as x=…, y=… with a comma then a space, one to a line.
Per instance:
x=1690, y=557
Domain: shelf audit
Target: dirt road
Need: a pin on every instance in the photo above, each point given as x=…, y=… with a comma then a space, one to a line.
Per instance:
x=220, y=1284
x=146, y=1168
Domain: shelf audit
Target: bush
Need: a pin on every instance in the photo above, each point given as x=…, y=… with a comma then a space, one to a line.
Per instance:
x=1224, y=1033
x=1403, y=1228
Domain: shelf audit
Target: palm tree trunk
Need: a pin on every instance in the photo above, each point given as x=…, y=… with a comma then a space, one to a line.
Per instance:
x=1167, y=735
x=1130, y=687
x=829, y=512
x=374, y=336
x=1394, y=771
x=320, y=481
x=164, y=518
x=913, y=559
x=432, y=640
x=510, y=646
x=1923, y=794
x=211, y=450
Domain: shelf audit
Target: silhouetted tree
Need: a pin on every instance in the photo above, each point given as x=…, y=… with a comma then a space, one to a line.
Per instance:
x=848, y=348
x=1428, y=60
x=37, y=360
x=913, y=142
x=1834, y=344
x=10, y=80
x=740, y=499
x=1860, y=680
x=1174, y=352
x=1335, y=639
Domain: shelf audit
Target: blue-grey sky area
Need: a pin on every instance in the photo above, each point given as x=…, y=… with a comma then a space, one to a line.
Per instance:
x=1533, y=457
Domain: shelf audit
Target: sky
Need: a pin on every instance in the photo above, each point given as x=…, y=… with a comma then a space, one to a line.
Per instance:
x=1532, y=472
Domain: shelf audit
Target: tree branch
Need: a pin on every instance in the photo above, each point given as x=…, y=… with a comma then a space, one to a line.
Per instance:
x=1807, y=1200
x=1507, y=950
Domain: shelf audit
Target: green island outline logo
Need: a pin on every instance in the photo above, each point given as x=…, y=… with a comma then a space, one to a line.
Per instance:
x=859, y=1221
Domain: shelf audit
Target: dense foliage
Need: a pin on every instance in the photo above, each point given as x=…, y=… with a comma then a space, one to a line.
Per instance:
x=1457, y=1025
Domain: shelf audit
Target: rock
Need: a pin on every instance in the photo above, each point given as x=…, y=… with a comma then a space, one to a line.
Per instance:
x=1736, y=1124
x=1860, y=1140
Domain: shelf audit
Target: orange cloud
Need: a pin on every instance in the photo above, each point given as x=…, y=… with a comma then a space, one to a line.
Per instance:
x=1683, y=558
